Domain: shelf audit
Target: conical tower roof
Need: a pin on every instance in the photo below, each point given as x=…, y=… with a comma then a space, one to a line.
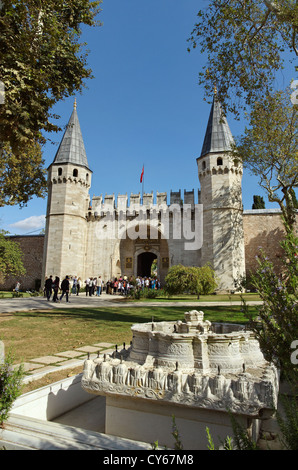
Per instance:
x=218, y=137
x=72, y=148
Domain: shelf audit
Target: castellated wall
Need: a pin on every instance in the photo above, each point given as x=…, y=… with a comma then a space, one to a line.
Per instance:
x=32, y=248
x=113, y=226
x=262, y=228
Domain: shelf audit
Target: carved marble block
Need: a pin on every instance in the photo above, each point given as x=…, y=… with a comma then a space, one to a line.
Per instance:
x=192, y=363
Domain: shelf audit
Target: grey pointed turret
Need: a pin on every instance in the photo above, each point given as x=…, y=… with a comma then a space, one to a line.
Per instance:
x=72, y=148
x=218, y=136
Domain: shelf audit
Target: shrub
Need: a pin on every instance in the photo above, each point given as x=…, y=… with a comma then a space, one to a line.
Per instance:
x=206, y=282
x=10, y=386
x=181, y=279
x=277, y=325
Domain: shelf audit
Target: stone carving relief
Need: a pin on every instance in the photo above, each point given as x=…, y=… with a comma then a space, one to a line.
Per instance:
x=192, y=363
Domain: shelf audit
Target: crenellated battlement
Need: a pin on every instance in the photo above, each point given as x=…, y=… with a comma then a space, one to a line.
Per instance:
x=146, y=201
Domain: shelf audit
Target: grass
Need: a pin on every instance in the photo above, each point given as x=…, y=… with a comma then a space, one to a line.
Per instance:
x=5, y=294
x=203, y=298
x=33, y=334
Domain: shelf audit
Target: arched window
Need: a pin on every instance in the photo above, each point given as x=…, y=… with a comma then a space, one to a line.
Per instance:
x=59, y=171
x=204, y=165
x=75, y=173
x=87, y=176
x=219, y=161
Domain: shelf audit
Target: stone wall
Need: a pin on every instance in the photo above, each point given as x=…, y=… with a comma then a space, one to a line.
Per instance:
x=263, y=228
x=32, y=248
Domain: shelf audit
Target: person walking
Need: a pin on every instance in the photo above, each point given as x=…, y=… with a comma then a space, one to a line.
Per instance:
x=87, y=282
x=99, y=286
x=79, y=285
x=48, y=287
x=65, y=288
x=56, y=289
x=74, y=285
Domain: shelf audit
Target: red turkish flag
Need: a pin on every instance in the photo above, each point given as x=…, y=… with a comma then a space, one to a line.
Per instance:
x=142, y=174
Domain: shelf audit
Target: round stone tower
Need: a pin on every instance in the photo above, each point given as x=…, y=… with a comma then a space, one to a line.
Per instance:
x=69, y=180
x=221, y=195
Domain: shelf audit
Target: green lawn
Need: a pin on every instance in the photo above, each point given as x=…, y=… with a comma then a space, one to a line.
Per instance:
x=5, y=294
x=203, y=298
x=34, y=334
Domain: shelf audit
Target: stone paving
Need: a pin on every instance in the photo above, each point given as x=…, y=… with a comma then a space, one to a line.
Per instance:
x=82, y=301
x=38, y=367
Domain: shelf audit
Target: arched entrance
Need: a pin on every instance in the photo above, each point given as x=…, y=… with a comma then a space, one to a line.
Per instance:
x=144, y=263
x=137, y=255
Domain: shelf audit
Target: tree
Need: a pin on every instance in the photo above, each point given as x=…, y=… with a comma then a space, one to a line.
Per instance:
x=258, y=203
x=42, y=62
x=269, y=149
x=244, y=42
x=277, y=325
x=21, y=175
x=10, y=257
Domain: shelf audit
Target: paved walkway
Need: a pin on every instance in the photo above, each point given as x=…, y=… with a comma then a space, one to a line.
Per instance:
x=40, y=366
x=21, y=304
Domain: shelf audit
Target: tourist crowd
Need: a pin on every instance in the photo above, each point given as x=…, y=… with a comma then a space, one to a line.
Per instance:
x=95, y=286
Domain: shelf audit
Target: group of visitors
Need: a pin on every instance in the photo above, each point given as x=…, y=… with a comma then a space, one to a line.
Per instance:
x=123, y=285
x=95, y=286
x=52, y=287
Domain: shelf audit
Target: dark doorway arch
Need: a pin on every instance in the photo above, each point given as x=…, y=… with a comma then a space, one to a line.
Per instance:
x=145, y=261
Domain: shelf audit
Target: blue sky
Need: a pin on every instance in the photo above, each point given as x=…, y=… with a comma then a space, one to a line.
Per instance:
x=144, y=106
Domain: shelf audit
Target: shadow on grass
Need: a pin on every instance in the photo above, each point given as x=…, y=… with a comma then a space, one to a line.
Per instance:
x=229, y=314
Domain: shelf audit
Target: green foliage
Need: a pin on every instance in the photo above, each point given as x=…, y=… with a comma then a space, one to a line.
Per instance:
x=241, y=439
x=10, y=257
x=206, y=282
x=175, y=433
x=42, y=62
x=246, y=43
x=21, y=175
x=10, y=386
x=181, y=279
x=288, y=423
x=226, y=445
x=277, y=324
x=258, y=203
x=268, y=149
x=146, y=293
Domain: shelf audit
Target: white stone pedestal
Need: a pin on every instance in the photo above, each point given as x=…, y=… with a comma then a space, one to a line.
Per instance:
x=150, y=422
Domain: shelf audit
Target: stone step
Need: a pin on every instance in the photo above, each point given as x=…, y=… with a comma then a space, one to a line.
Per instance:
x=30, y=433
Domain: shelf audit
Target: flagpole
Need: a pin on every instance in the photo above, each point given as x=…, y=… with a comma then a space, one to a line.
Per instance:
x=143, y=187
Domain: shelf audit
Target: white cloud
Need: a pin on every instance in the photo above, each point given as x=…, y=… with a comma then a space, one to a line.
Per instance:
x=30, y=224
